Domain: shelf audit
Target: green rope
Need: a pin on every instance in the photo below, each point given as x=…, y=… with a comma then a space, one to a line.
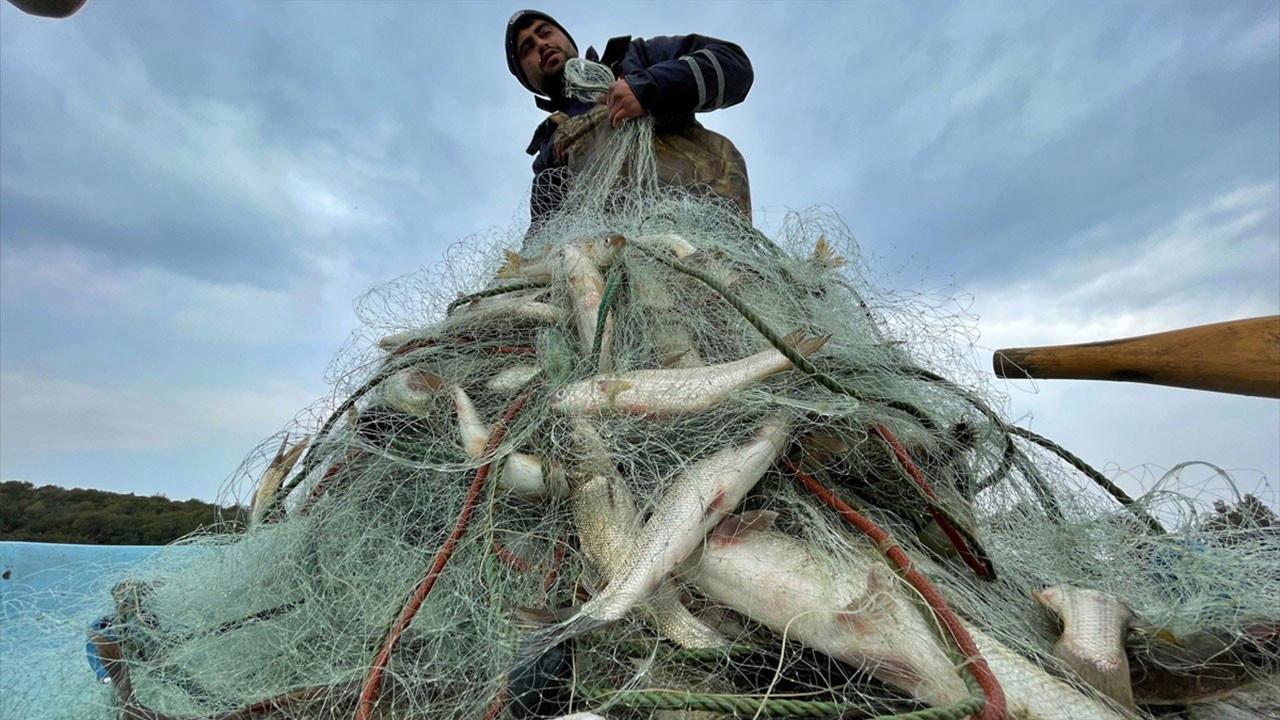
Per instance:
x=803, y=363
x=1098, y=478
x=490, y=292
x=763, y=705
x=800, y=361
x=1011, y=455
x=611, y=284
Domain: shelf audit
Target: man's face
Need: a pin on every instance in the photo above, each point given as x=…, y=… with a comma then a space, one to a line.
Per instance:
x=543, y=50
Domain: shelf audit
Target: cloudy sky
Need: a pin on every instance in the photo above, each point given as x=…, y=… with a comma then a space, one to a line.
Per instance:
x=192, y=194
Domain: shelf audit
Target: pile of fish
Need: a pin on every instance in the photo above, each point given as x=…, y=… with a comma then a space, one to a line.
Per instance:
x=613, y=436
x=697, y=538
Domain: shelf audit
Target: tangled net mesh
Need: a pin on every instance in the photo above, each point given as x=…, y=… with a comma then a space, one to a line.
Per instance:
x=286, y=618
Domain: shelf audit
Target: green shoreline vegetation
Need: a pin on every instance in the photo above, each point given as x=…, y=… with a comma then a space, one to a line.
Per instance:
x=96, y=517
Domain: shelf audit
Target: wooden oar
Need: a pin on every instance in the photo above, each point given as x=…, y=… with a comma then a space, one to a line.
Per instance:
x=1239, y=356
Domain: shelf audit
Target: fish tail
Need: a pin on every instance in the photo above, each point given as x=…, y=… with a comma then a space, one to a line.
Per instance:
x=539, y=642
x=808, y=346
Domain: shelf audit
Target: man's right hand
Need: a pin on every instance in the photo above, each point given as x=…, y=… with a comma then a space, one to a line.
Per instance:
x=621, y=102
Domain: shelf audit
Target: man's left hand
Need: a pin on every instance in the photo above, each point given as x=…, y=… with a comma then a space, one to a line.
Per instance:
x=621, y=102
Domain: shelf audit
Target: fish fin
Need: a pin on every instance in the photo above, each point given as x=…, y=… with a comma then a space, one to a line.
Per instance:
x=540, y=641
x=670, y=360
x=1145, y=628
x=872, y=610
x=286, y=461
x=557, y=479
x=538, y=618
x=420, y=380
x=511, y=266
x=809, y=346
x=735, y=526
x=806, y=346
x=284, y=443
x=896, y=671
x=825, y=255
x=611, y=388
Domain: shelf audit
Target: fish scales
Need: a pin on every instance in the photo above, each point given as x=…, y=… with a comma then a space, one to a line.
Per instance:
x=505, y=309
x=675, y=391
x=845, y=608
x=606, y=519
x=586, y=289
x=1094, y=626
x=697, y=499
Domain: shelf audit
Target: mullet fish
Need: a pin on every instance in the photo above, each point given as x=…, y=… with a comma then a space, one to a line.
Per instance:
x=698, y=498
x=512, y=379
x=852, y=609
x=275, y=473
x=521, y=473
x=676, y=391
x=606, y=520
x=586, y=289
x=505, y=309
x=1094, y=626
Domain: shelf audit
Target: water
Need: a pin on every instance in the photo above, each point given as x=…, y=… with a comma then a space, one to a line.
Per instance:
x=49, y=593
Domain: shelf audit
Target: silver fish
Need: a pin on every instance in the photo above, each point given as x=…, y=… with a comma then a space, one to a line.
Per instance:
x=671, y=242
x=411, y=391
x=1205, y=665
x=395, y=341
x=675, y=391
x=1094, y=626
x=275, y=473
x=512, y=379
x=505, y=309
x=779, y=580
x=601, y=251
x=606, y=519
x=852, y=611
x=521, y=473
x=694, y=503
x=586, y=289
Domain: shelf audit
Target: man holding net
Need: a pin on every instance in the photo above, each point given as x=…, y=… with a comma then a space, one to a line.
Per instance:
x=667, y=78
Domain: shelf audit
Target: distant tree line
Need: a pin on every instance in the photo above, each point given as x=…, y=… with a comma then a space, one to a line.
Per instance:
x=54, y=514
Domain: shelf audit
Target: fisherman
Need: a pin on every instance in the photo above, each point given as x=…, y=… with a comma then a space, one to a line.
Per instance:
x=667, y=78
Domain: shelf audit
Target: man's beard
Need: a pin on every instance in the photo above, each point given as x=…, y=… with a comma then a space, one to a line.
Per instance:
x=553, y=85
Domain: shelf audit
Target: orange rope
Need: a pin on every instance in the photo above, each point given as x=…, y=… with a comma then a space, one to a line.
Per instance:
x=557, y=557
x=373, y=682
x=957, y=540
x=508, y=558
x=975, y=665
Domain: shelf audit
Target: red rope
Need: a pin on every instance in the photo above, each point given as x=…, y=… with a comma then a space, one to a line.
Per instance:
x=498, y=705
x=957, y=540
x=557, y=557
x=975, y=664
x=373, y=682
x=508, y=558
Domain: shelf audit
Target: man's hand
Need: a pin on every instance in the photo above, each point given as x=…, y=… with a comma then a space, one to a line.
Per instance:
x=621, y=102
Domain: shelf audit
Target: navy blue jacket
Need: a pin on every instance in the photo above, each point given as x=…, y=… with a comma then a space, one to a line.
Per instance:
x=673, y=77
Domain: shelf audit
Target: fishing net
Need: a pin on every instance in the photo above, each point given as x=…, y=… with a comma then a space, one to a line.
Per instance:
x=493, y=445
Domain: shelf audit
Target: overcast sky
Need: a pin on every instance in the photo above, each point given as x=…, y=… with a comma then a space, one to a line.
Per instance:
x=192, y=194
